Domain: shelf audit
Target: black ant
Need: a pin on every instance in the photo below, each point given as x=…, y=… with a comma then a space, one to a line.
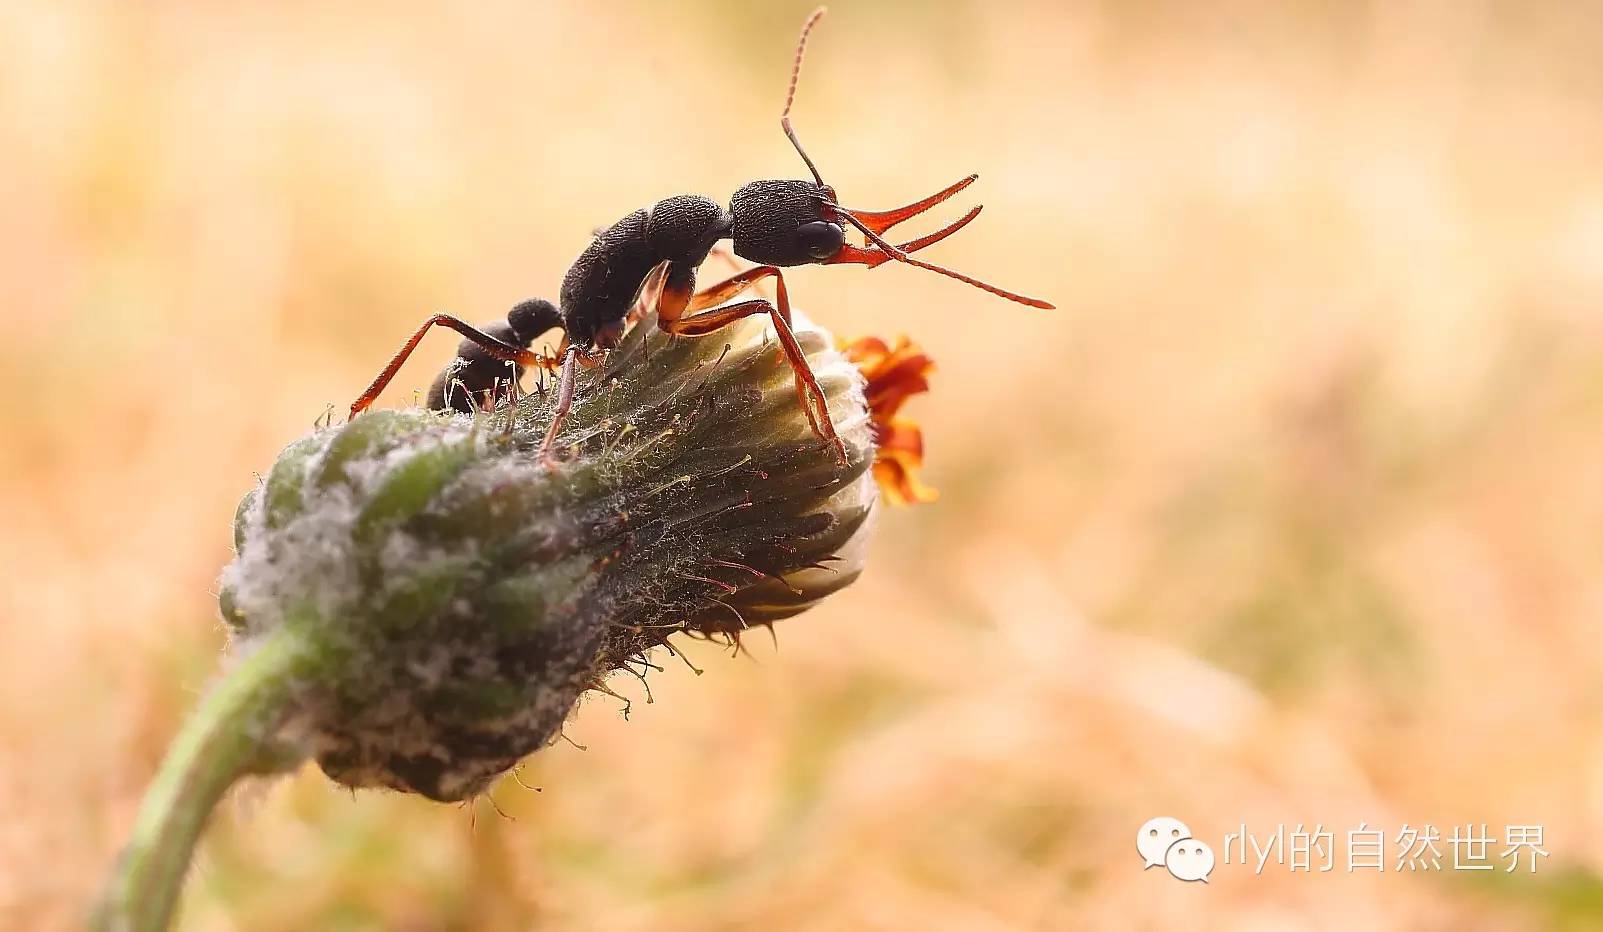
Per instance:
x=778, y=223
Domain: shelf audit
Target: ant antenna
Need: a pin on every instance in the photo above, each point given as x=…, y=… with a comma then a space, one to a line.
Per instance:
x=790, y=92
x=872, y=224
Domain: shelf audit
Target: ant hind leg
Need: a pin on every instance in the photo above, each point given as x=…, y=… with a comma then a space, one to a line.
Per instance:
x=492, y=347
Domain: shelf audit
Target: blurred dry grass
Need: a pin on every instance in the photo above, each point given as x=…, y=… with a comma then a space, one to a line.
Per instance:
x=1291, y=513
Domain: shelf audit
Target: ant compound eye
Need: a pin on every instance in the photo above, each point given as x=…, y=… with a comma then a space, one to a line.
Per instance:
x=820, y=238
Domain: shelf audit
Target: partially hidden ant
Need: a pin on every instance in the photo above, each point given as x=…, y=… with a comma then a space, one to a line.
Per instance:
x=777, y=223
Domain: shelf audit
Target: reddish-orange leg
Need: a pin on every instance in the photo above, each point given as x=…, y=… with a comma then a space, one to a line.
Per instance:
x=677, y=301
x=505, y=352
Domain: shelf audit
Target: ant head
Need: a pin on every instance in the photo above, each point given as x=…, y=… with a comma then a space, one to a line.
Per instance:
x=798, y=222
x=785, y=223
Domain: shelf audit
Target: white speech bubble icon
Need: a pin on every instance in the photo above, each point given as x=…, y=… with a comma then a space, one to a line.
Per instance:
x=1155, y=837
x=1189, y=859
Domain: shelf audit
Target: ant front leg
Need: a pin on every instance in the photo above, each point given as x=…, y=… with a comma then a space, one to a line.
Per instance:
x=717, y=294
x=677, y=301
x=495, y=348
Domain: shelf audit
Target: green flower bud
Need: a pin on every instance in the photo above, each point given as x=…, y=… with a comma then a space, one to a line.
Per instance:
x=463, y=591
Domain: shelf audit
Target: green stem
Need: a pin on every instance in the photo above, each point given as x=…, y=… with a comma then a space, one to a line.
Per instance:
x=229, y=736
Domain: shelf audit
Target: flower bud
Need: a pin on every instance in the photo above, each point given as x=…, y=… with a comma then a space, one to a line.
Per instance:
x=463, y=590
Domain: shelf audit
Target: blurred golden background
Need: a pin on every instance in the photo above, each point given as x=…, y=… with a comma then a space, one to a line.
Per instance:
x=1291, y=513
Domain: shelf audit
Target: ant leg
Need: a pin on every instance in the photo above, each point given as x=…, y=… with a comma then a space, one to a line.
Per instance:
x=727, y=256
x=572, y=357
x=498, y=349
x=677, y=299
x=811, y=396
x=717, y=294
x=649, y=291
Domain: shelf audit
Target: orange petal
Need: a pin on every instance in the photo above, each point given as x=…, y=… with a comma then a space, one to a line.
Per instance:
x=894, y=374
